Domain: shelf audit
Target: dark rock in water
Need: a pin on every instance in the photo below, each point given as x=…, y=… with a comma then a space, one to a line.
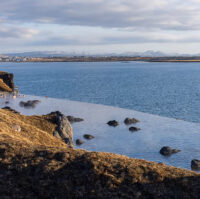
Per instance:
x=132, y=129
x=29, y=104
x=195, y=164
x=166, y=151
x=129, y=121
x=74, y=119
x=10, y=109
x=79, y=142
x=64, y=129
x=88, y=137
x=7, y=102
x=113, y=123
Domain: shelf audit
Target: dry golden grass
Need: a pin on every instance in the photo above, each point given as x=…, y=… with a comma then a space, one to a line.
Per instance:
x=35, y=130
x=37, y=165
x=4, y=87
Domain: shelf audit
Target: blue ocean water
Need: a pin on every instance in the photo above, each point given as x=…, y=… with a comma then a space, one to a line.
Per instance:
x=166, y=89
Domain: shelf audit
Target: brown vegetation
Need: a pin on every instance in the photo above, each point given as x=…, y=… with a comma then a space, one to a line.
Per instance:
x=34, y=164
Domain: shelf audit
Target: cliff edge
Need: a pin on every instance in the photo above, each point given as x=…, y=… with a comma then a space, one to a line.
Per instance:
x=35, y=164
x=6, y=82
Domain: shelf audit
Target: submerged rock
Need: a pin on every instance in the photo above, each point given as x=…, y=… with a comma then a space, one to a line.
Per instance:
x=129, y=121
x=113, y=123
x=88, y=136
x=64, y=129
x=79, y=142
x=195, y=164
x=29, y=104
x=166, y=151
x=74, y=119
x=133, y=128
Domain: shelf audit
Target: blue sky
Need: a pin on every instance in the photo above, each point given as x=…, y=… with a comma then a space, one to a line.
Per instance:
x=100, y=26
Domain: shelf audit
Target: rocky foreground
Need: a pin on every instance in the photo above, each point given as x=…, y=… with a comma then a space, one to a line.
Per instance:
x=36, y=164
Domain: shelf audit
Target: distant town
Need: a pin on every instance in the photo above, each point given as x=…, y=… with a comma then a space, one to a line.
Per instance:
x=4, y=58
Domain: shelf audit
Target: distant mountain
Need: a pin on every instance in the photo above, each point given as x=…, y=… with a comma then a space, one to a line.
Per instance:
x=40, y=54
x=149, y=53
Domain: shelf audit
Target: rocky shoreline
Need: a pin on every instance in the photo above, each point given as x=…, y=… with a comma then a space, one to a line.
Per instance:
x=38, y=160
x=37, y=164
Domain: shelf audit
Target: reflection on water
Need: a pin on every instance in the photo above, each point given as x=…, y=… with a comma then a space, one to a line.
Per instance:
x=155, y=133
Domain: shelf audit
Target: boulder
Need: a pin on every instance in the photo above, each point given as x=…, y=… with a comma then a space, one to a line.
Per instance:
x=64, y=129
x=74, y=119
x=113, y=123
x=166, y=151
x=133, y=128
x=29, y=104
x=195, y=164
x=129, y=121
x=79, y=142
x=88, y=137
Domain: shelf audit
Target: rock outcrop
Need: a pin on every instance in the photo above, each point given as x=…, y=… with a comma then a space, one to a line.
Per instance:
x=64, y=129
x=6, y=82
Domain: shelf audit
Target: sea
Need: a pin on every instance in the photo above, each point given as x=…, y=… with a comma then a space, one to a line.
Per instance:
x=165, y=89
x=163, y=96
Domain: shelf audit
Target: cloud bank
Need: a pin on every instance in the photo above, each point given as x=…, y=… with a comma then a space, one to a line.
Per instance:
x=66, y=23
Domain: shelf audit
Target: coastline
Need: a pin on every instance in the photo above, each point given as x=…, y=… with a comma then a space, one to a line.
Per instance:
x=34, y=162
x=102, y=59
x=156, y=131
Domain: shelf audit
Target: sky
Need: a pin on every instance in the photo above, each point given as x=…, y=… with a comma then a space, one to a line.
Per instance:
x=100, y=26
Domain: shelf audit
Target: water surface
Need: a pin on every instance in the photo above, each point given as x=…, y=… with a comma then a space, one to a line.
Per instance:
x=155, y=133
x=166, y=89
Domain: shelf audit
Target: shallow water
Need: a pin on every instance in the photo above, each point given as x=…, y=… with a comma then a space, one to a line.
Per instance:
x=167, y=89
x=155, y=133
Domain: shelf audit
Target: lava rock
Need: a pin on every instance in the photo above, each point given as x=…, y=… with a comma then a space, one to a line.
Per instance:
x=79, y=142
x=88, y=137
x=195, y=164
x=132, y=129
x=74, y=119
x=64, y=129
x=166, y=151
x=113, y=123
x=29, y=103
x=129, y=121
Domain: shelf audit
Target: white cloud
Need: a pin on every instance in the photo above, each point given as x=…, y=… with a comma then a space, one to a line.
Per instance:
x=86, y=23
